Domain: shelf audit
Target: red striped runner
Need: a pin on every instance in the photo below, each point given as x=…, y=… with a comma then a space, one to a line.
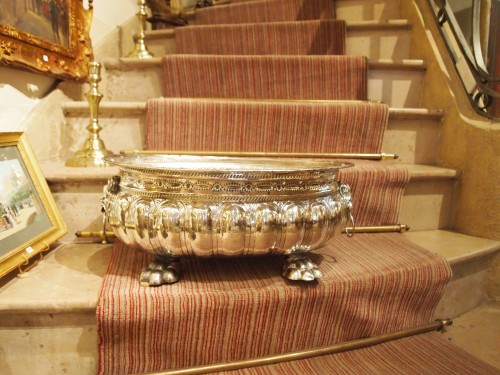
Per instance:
x=377, y=191
x=231, y=309
x=265, y=77
x=266, y=11
x=219, y=125
x=317, y=37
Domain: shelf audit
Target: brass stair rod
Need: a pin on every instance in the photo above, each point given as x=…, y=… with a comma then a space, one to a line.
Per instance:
x=398, y=228
x=319, y=155
x=105, y=237
x=308, y=353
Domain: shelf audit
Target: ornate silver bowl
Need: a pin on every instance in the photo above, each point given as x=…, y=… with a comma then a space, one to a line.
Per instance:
x=205, y=206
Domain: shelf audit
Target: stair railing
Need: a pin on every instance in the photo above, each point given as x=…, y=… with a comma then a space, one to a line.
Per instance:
x=480, y=82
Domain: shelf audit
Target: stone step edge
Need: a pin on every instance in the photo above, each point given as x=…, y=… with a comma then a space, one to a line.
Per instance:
x=352, y=26
x=374, y=64
x=85, y=299
x=106, y=108
x=453, y=246
x=57, y=172
x=190, y=13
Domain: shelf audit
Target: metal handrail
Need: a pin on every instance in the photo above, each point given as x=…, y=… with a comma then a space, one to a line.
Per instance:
x=476, y=44
x=482, y=96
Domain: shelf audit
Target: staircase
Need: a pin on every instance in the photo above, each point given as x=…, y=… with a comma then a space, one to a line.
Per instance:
x=396, y=76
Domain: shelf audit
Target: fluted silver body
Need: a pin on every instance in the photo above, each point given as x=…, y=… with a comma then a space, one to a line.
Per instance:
x=215, y=206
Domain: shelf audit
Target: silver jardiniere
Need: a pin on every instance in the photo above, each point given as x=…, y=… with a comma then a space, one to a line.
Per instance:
x=175, y=206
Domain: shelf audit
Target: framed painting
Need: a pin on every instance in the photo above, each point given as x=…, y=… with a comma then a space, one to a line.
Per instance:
x=46, y=36
x=29, y=219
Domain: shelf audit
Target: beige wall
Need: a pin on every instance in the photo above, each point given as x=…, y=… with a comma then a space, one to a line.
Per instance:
x=468, y=141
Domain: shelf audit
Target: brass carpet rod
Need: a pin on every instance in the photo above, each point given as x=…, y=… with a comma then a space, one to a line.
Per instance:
x=398, y=228
x=319, y=155
x=308, y=353
x=103, y=236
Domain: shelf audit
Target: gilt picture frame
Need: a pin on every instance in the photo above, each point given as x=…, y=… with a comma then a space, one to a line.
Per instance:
x=50, y=37
x=29, y=218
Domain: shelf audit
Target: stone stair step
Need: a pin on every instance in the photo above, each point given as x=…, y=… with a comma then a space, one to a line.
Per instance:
x=351, y=10
x=389, y=39
x=427, y=201
x=412, y=133
x=123, y=123
x=362, y=10
x=263, y=11
x=399, y=83
x=50, y=313
x=469, y=258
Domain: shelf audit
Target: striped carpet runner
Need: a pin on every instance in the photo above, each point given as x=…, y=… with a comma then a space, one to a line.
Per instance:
x=266, y=126
x=266, y=11
x=240, y=308
x=315, y=37
x=377, y=191
x=265, y=77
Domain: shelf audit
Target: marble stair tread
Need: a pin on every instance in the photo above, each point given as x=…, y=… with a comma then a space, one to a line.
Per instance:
x=375, y=39
x=377, y=25
x=378, y=64
x=416, y=113
x=351, y=10
x=69, y=278
x=56, y=171
x=397, y=82
x=420, y=172
x=369, y=25
x=455, y=247
x=412, y=133
x=356, y=10
x=106, y=108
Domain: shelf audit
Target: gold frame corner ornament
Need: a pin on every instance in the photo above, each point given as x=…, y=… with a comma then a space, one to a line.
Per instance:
x=66, y=61
x=22, y=244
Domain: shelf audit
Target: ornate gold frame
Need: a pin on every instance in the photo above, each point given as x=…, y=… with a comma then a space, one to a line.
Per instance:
x=20, y=49
x=34, y=236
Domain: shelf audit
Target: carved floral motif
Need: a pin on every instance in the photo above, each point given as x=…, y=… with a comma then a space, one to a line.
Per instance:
x=7, y=49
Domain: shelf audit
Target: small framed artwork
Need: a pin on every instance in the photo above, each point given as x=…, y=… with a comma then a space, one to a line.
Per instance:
x=46, y=36
x=29, y=218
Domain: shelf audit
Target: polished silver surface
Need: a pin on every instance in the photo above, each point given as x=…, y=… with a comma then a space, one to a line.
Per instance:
x=159, y=163
x=204, y=206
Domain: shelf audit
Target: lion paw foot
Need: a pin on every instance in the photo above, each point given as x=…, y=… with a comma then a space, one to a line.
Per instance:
x=161, y=271
x=300, y=268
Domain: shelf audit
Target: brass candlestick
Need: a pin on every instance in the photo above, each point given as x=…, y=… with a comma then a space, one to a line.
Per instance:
x=93, y=150
x=140, y=50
